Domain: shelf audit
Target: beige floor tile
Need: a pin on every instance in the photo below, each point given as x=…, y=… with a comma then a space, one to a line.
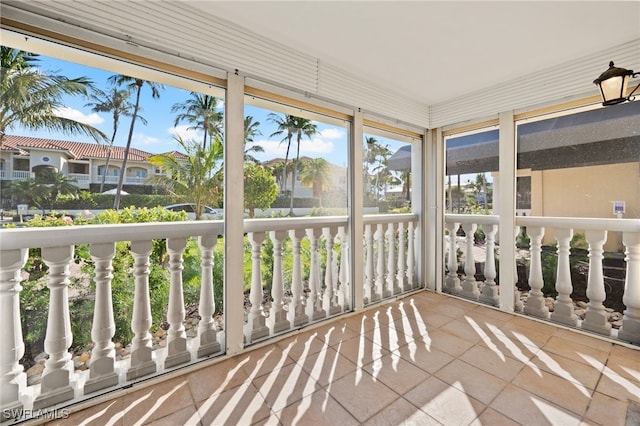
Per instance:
x=471, y=380
x=306, y=343
x=263, y=360
x=529, y=409
x=426, y=358
x=444, y=403
x=361, y=395
x=575, y=351
x=584, y=339
x=396, y=373
x=327, y=366
x=242, y=405
x=605, y=410
x=157, y=401
x=471, y=331
x=217, y=378
x=430, y=319
x=333, y=334
x=625, y=359
x=316, y=409
x=483, y=312
x=187, y=416
x=569, y=395
x=452, y=310
x=535, y=337
x=493, y=361
x=95, y=416
x=618, y=383
x=491, y=417
x=568, y=369
x=402, y=413
x=446, y=342
x=285, y=386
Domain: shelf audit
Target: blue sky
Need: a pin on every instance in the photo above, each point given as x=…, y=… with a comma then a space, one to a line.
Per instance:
x=158, y=135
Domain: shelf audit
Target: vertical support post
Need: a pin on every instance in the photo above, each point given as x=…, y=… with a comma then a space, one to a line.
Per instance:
x=595, y=317
x=344, y=285
x=12, y=378
x=296, y=315
x=58, y=368
x=329, y=296
x=489, y=292
x=469, y=284
x=277, y=320
x=452, y=282
x=507, y=208
x=103, y=355
x=412, y=281
x=535, y=301
x=630, y=329
x=369, y=291
x=356, y=211
x=207, y=332
x=380, y=290
x=314, y=301
x=141, y=348
x=256, y=327
x=176, y=336
x=518, y=306
x=234, y=217
x=435, y=211
x=401, y=275
x=392, y=282
x=563, y=311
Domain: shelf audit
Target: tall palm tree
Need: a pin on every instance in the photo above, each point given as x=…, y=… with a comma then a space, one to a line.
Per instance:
x=286, y=126
x=369, y=159
x=132, y=85
x=303, y=127
x=316, y=173
x=200, y=111
x=251, y=129
x=32, y=98
x=198, y=178
x=116, y=102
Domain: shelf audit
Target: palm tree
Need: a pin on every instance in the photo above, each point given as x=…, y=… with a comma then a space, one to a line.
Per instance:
x=131, y=84
x=43, y=190
x=115, y=102
x=31, y=98
x=369, y=159
x=251, y=129
x=200, y=110
x=302, y=127
x=198, y=178
x=286, y=127
x=316, y=173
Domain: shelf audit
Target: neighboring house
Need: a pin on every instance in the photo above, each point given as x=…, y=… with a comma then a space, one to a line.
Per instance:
x=338, y=178
x=21, y=157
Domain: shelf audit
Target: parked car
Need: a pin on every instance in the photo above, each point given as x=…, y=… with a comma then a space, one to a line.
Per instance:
x=209, y=213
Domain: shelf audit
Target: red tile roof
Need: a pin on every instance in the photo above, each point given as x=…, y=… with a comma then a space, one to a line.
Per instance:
x=77, y=150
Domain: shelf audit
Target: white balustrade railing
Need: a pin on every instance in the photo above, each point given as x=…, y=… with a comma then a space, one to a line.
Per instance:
x=311, y=281
x=563, y=229
x=21, y=174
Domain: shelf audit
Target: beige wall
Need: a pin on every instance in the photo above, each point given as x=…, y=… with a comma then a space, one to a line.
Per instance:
x=586, y=192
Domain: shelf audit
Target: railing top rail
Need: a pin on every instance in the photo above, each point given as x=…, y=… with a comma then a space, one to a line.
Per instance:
x=287, y=223
x=11, y=239
x=389, y=218
x=581, y=223
x=481, y=219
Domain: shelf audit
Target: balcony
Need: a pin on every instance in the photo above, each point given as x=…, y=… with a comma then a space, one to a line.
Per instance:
x=318, y=337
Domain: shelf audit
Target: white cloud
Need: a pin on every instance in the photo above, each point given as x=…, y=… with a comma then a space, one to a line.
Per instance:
x=73, y=114
x=310, y=148
x=185, y=133
x=333, y=133
x=142, y=140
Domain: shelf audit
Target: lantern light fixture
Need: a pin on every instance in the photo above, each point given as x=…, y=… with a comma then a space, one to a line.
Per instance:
x=613, y=85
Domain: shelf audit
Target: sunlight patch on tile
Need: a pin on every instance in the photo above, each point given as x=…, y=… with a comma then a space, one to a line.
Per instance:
x=101, y=413
x=559, y=371
x=552, y=413
x=422, y=329
x=159, y=402
x=630, y=387
x=485, y=337
x=515, y=350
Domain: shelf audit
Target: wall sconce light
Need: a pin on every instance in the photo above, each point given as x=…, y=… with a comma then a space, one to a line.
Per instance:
x=613, y=85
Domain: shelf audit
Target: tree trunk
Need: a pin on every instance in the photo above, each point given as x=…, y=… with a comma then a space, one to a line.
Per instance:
x=123, y=171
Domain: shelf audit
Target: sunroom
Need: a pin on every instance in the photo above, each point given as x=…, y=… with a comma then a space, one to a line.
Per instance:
x=506, y=292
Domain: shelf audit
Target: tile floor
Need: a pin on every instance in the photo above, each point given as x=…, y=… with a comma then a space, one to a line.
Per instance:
x=426, y=359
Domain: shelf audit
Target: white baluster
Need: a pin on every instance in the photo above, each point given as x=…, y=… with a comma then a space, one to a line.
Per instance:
x=207, y=330
x=58, y=368
x=392, y=282
x=256, y=327
x=518, y=306
x=452, y=282
x=412, y=283
x=314, y=301
x=469, y=285
x=277, y=320
x=535, y=301
x=177, y=352
x=563, y=311
x=369, y=291
x=103, y=355
x=489, y=292
x=595, y=318
x=630, y=329
x=380, y=278
x=402, y=259
x=142, y=362
x=344, y=287
x=296, y=314
x=12, y=378
x=329, y=299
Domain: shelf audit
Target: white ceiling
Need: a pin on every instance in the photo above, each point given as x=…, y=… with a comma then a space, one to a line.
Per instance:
x=432, y=52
